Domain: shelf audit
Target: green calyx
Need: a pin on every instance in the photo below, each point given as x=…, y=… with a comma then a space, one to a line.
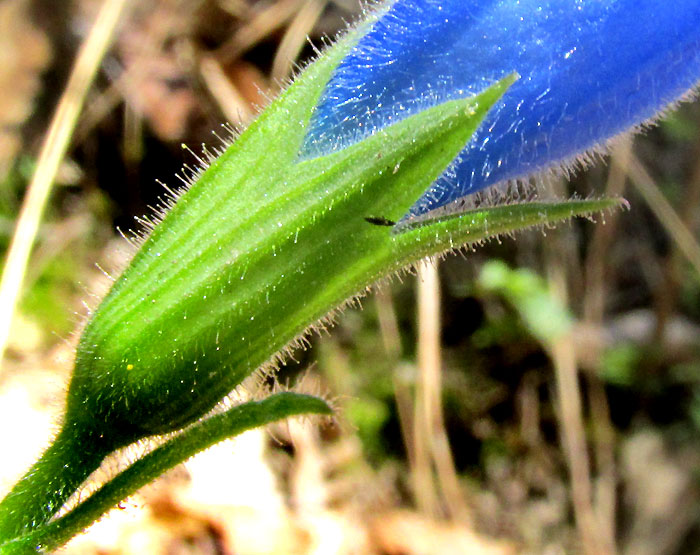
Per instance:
x=243, y=265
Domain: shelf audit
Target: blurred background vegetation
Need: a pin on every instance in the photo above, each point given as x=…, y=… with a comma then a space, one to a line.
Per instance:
x=537, y=395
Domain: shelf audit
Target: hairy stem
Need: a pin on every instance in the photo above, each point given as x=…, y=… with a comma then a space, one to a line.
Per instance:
x=50, y=482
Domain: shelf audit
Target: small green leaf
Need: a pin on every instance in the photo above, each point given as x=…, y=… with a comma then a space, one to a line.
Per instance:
x=619, y=364
x=191, y=441
x=544, y=316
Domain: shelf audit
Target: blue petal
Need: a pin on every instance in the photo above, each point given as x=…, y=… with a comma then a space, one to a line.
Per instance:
x=590, y=69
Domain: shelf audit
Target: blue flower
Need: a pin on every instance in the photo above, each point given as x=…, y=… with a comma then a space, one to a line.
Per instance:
x=590, y=70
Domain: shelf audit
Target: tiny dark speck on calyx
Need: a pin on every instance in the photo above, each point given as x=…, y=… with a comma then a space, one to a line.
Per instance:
x=380, y=220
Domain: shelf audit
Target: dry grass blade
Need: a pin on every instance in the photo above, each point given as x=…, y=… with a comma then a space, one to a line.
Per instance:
x=665, y=213
x=294, y=39
x=53, y=151
x=594, y=301
x=563, y=354
x=431, y=443
x=424, y=490
x=229, y=99
x=259, y=27
x=391, y=337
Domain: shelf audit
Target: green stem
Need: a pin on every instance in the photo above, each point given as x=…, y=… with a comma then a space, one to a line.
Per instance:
x=176, y=450
x=50, y=482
